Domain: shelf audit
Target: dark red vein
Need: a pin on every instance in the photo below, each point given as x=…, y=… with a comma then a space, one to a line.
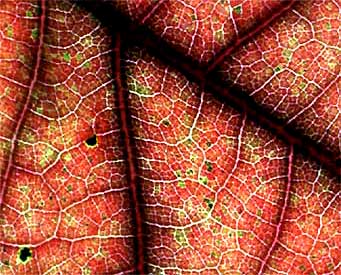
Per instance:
x=27, y=100
x=128, y=148
x=220, y=57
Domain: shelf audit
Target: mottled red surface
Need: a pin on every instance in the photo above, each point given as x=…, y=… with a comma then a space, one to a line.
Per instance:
x=113, y=161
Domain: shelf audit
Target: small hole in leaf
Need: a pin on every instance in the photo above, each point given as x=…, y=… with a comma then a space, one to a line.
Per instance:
x=25, y=254
x=91, y=141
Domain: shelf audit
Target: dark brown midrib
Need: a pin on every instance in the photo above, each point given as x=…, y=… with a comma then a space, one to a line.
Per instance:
x=128, y=146
x=136, y=35
x=22, y=115
x=236, y=98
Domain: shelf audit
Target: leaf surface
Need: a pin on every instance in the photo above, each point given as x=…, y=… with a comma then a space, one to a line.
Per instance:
x=115, y=161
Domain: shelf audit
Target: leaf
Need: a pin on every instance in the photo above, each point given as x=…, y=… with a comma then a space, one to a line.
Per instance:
x=122, y=151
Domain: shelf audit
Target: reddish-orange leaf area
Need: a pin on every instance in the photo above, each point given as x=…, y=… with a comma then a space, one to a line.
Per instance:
x=170, y=137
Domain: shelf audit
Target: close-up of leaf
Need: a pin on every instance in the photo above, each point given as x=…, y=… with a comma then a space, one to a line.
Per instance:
x=170, y=137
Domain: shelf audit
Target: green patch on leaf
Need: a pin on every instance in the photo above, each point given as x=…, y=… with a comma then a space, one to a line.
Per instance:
x=39, y=110
x=328, y=26
x=238, y=9
x=209, y=203
x=181, y=184
x=34, y=33
x=24, y=255
x=219, y=36
x=203, y=180
x=209, y=166
x=259, y=212
x=67, y=157
x=69, y=188
x=9, y=31
x=87, y=65
x=278, y=68
x=29, y=13
x=79, y=57
x=178, y=173
x=180, y=237
x=193, y=157
x=66, y=56
x=302, y=85
x=86, y=271
x=294, y=199
x=287, y=54
x=293, y=42
x=142, y=90
x=189, y=172
x=240, y=234
x=7, y=91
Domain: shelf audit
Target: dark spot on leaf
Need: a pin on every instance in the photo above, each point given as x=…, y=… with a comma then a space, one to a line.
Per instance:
x=91, y=141
x=166, y=122
x=209, y=203
x=25, y=254
x=209, y=166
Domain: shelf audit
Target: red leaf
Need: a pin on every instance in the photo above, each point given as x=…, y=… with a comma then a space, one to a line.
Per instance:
x=122, y=151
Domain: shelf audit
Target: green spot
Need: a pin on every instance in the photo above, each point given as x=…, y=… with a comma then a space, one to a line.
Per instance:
x=328, y=26
x=142, y=90
x=181, y=184
x=7, y=91
x=9, y=31
x=208, y=166
x=39, y=110
x=219, y=36
x=178, y=173
x=259, y=212
x=29, y=13
x=240, y=234
x=86, y=271
x=189, y=172
x=287, y=54
x=294, y=199
x=67, y=157
x=87, y=65
x=208, y=144
x=91, y=141
x=79, y=57
x=278, y=68
x=66, y=56
x=180, y=237
x=34, y=33
x=49, y=152
x=237, y=9
x=166, y=122
x=209, y=203
x=193, y=157
x=69, y=188
x=203, y=180
x=193, y=16
x=302, y=85
x=293, y=42
x=74, y=88
x=24, y=255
